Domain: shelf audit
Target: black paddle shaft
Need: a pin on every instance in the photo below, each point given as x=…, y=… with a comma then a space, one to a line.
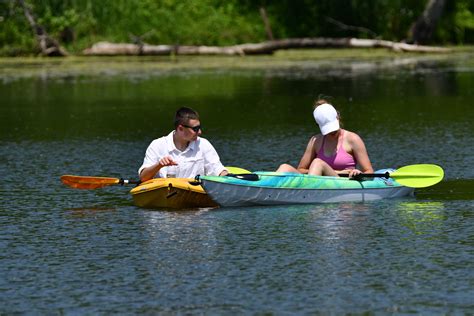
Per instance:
x=242, y=176
x=124, y=181
x=360, y=176
x=245, y=176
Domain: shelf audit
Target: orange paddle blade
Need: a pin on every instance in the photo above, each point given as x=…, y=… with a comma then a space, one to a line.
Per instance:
x=83, y=182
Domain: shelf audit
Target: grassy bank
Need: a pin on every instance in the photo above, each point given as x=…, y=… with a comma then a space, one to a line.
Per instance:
x=302, y=61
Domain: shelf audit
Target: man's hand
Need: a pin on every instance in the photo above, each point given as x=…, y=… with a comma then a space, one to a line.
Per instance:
x=167, y=161
x=223, y=173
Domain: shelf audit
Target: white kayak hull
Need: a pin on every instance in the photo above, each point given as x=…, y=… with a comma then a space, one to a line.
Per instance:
x=239, y=192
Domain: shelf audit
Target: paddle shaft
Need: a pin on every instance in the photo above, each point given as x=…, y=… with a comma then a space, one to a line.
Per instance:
x=124, y=181
x=245, y=176
x=360, y=176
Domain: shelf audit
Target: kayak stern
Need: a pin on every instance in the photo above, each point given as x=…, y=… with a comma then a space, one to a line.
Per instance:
x=176, y=193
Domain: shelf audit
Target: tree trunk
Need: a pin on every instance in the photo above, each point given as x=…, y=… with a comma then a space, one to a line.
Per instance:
x=48, y=46
x=268, y=47
x=268, y=29
x=422, y=30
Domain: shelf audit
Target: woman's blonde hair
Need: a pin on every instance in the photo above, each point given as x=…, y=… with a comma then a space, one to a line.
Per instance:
x=319, y=102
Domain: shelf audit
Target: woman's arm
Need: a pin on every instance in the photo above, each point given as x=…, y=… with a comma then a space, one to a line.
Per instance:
x=308, y=156
x=360, y=153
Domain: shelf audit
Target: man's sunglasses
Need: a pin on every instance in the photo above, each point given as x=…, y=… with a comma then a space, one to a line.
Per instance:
x=194, y=128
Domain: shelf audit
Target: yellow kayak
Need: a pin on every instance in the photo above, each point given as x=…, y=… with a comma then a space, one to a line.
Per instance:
x=171, y=193
x=155, y=193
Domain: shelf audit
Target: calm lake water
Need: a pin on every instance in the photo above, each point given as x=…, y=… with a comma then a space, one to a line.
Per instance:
x=65, y=251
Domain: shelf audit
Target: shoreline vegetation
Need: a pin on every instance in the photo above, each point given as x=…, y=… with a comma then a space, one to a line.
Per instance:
x=339, y=62
x=233, y=27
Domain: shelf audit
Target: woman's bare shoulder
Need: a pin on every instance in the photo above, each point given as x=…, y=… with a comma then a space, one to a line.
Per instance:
x=351, y=136
x=354, y=140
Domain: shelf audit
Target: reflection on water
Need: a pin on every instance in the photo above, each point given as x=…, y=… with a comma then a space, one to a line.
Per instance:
x=88, y=211
x=285, y=64
x=422, y=217
x=255, y=120
x=92, y=252
x=453, y=189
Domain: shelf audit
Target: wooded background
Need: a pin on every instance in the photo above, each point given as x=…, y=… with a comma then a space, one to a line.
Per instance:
x=78, y=24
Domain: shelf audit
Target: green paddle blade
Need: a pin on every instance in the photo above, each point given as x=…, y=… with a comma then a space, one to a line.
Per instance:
x=237, y=170
x=418, y=176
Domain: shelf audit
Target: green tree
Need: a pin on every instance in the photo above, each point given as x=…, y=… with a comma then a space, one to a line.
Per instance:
x=77, y=24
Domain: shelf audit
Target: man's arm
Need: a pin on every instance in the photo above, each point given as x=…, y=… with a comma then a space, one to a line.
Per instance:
x=148, y=173
x=213, y=165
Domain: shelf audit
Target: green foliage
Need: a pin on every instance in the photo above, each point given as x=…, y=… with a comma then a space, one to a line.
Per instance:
x=13, y=27
x=464, y=22
x=79, y=23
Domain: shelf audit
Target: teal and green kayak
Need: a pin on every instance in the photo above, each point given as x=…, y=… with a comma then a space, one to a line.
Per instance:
x=272, y=188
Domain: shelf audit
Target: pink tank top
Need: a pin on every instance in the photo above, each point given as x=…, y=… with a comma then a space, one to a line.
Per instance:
x=341, y=160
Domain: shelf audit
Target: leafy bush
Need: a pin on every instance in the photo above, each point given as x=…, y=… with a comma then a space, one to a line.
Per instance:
x=79, y=23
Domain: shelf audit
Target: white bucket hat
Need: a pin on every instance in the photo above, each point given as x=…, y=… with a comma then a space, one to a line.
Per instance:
x=326, y=117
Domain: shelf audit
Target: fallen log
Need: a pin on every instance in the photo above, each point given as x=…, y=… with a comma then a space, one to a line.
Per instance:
x=268, y=47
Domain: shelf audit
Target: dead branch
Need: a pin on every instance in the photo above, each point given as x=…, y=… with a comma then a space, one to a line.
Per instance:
x=48, y=46
x=351, y=28
x=268, y=47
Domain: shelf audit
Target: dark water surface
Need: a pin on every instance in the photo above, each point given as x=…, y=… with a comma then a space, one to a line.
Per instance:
x=93, y=252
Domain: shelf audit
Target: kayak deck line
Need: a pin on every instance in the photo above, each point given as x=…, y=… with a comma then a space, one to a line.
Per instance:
x=303, y=181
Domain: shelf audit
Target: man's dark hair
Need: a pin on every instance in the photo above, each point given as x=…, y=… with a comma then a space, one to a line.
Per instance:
x=183, y=115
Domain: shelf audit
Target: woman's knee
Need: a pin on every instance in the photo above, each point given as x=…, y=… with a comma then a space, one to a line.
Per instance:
x=319, y=167
x=317, y=162
x=285, y=168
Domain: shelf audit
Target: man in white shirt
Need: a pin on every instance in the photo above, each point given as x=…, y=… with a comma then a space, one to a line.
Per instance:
x=182, y=153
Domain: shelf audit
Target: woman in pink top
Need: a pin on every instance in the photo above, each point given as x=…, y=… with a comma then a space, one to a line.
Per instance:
x=333, y=152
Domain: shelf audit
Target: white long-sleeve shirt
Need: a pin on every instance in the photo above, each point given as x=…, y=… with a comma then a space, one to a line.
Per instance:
x=199, y=157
